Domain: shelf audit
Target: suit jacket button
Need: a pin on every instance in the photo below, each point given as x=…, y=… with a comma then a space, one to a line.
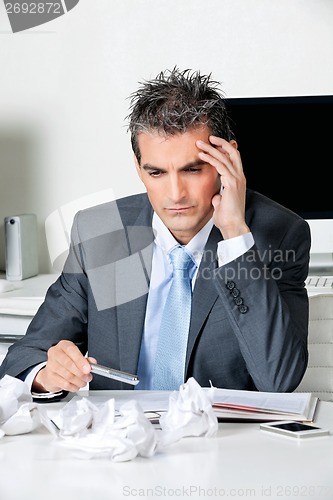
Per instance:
x=230, y=285
x=238, y=301
x=235, y=292
x=243, y=308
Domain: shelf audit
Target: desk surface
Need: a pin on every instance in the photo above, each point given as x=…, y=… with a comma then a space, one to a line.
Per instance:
x=240, y=462
x=18, y=307
x=27, y=295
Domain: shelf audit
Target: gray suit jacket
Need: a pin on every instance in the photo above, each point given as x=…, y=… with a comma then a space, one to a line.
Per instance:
x=249, y=318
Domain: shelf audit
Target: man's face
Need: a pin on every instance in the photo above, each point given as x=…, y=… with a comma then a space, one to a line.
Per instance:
x=180, y=186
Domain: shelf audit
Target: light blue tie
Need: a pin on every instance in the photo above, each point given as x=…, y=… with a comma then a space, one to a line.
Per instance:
x=172, y=341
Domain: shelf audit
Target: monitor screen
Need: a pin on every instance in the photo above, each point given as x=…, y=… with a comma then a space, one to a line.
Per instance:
x=285, y=147
x=284, y=144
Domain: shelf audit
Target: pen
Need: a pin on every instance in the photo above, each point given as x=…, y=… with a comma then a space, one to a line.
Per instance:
x=127, y=378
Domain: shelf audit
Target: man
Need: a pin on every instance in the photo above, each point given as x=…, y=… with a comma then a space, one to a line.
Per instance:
x=249, y=257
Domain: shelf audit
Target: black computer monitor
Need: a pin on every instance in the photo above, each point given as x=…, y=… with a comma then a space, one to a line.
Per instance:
x=285, y=143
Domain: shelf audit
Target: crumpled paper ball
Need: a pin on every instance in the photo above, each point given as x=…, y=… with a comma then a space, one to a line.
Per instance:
x=18, y=413
x=89, y=431
x=190, y=413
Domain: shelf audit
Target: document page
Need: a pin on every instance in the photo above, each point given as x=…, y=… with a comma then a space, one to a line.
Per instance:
x=150, y=401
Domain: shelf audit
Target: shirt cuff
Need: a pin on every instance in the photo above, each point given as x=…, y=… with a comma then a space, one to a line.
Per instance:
x=40, y=395
x=231, y=249
x=32, y=374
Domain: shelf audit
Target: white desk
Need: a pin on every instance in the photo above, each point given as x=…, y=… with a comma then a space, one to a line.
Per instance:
x=240, y=462
x=18, y=307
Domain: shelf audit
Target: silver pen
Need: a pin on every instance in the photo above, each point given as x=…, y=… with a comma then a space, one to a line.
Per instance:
x=127, y=378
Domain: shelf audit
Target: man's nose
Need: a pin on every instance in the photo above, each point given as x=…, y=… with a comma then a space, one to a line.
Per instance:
x=177, y=188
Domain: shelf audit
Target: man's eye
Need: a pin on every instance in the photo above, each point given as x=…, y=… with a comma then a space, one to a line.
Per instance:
x=193, y=169
x=155, y=173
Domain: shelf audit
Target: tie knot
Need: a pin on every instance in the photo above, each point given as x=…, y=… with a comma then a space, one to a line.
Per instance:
x=180, y=259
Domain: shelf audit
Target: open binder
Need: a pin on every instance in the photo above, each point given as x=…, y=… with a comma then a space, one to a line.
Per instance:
x=263, y=406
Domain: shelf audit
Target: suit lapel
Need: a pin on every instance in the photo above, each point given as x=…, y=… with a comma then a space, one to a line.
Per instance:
x=204, y=293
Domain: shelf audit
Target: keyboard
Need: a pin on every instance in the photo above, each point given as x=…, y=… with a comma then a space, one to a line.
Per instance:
x=319, y=284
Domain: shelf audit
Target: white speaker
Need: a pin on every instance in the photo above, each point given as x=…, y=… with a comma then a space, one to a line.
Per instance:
x=21, y=246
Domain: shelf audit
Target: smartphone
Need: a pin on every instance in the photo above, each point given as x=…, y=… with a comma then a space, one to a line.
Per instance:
x=294, y=429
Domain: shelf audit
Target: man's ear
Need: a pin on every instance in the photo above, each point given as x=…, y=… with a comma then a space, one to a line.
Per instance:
x=233, y=143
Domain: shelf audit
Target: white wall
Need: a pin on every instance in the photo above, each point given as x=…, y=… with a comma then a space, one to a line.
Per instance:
x=64, y=85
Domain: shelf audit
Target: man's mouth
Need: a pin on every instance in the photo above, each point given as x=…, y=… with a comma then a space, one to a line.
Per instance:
x=178, y=209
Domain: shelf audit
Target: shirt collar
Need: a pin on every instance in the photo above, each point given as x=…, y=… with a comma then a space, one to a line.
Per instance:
x=165, y=240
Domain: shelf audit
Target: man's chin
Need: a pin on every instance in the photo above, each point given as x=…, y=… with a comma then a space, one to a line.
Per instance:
x=184, y=225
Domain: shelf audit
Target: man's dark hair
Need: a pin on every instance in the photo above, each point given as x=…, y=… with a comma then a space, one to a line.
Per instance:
x=175, y=102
